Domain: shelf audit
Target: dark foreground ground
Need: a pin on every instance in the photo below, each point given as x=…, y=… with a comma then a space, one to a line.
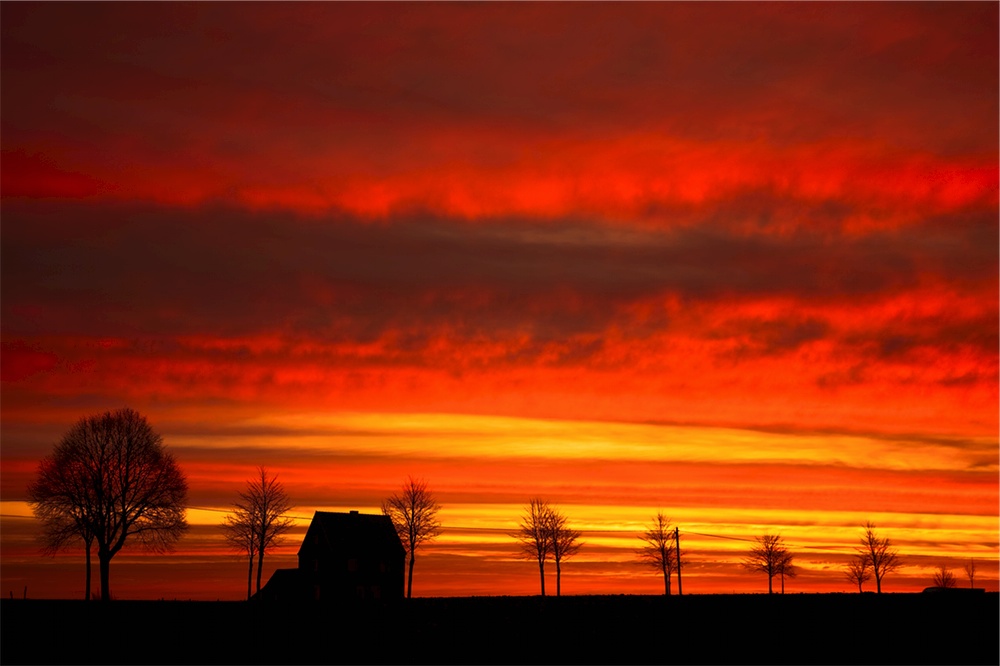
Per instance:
x=697, y=629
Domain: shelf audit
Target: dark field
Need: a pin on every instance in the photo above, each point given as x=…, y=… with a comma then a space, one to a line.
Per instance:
x=697, y=629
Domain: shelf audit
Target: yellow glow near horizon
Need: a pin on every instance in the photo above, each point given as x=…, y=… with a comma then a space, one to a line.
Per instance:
x=479, y=523
x=722, y=487
x=485, y=437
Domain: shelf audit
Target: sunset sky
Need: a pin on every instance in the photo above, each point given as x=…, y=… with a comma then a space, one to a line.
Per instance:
x=735, y=262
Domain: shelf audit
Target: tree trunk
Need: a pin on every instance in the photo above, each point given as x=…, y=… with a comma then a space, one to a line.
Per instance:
x=86, y=592
x=260, y=567
x=541, y=574
x=104, y=560
x=878, y=584
x=558, y=578
x=770, y=588
x=249, y=576
x=677, y=551
x=409, y=579
x=666, y=582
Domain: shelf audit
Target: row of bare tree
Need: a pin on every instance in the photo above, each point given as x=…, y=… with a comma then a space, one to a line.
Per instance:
x=543, y=535
x=875, y=557
x=110, y=481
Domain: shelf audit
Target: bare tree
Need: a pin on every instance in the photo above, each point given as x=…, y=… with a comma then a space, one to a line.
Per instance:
x=659, y=549
x=565, y=542
x=110, y=481
x=413, y=512
x=768, y=556
x=970, y=571
x=534, y=535
x=878, y=551
x=242, y=537
x=258, y=521
x=241, y=534
x=859, y=571
x=786, y=569
x=61, y=530
x=943, y=577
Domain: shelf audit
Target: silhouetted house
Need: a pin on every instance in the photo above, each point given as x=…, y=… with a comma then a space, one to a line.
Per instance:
x=343, y=557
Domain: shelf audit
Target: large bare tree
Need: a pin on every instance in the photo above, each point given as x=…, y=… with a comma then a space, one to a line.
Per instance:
x=858, y=571
x=878, y=551
x=534, y=536
x=413, y=512
x=258, y=521
x=565, y=542
x=659, y=551
x=110, y=482
x=769, y=556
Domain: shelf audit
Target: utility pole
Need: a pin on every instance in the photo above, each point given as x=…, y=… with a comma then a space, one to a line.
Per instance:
x=677, y=548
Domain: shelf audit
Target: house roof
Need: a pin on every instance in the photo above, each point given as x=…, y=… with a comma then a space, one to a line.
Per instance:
x=374, y=530
x=285, y=577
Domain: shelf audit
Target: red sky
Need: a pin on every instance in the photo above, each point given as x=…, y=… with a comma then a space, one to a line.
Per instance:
x=738, y=262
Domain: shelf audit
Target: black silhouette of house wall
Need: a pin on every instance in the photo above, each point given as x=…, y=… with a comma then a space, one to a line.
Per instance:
x=343, y=557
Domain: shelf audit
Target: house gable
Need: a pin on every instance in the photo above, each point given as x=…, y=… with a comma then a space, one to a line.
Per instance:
x=349, y=541
x=344, y=557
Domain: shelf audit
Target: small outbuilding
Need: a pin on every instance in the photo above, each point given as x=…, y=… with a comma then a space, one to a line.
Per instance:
x=344, y=557
x=951, y=591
